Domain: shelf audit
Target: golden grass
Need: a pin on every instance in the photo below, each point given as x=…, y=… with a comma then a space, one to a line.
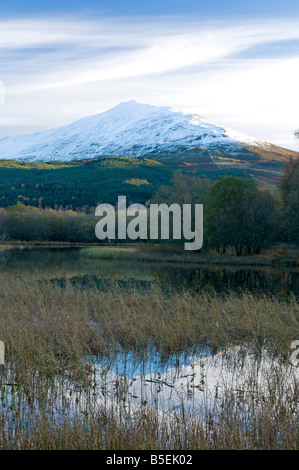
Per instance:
x=48, y=330
x=39, y=319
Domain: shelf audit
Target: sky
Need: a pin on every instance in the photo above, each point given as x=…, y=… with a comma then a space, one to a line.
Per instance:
x=235, y=63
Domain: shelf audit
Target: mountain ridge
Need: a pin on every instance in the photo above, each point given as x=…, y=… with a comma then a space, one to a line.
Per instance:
x=166, y=134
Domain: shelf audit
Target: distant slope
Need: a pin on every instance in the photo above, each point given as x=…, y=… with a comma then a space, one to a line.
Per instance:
x=80, y=184
x=130, y=129
x=138, y=130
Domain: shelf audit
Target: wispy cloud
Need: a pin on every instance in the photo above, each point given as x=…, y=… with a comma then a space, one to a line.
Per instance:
x=56, y=71
x=2, y=93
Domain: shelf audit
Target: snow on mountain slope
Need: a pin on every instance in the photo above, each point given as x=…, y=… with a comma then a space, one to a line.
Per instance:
x=130, y=129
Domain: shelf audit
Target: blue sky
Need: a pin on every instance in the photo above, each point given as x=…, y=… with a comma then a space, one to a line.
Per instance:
x=236, y=63
x=155, y=7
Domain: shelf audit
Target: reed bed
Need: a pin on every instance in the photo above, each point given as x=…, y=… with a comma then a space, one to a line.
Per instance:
x=48, y=389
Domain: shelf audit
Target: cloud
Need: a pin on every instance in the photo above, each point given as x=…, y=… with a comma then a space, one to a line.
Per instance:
x=2, y=93
x=56, y=71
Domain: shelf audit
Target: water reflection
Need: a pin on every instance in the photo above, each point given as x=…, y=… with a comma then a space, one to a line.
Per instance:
x=59, y=264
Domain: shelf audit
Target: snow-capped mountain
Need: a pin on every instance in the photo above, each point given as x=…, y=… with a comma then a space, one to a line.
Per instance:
x=130, y=129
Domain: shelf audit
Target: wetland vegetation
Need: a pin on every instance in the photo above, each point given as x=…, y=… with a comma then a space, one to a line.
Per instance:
x=102, y=354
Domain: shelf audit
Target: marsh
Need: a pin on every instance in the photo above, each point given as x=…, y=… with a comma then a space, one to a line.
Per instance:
x=111, y=351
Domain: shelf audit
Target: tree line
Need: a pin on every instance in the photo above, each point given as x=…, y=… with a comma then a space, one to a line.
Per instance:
x=237, y=214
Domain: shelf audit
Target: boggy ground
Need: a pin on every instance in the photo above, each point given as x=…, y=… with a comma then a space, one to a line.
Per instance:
x=60, y=387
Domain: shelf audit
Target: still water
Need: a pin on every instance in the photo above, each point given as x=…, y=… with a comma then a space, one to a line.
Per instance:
x=58, y=265
x=192, y=381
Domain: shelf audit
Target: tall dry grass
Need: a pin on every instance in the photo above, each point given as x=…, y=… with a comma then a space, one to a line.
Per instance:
x=48, y=331
x=41, y=321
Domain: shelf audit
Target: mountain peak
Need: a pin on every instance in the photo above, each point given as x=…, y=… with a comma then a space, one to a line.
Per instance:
x=134, y=108
x=133, y=129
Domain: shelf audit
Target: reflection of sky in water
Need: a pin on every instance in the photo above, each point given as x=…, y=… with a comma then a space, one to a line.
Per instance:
x=130, y=365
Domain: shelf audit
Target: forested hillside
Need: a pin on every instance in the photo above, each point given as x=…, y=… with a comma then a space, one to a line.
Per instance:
x=237, y=214
x=79, y=184
x=85, y=183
